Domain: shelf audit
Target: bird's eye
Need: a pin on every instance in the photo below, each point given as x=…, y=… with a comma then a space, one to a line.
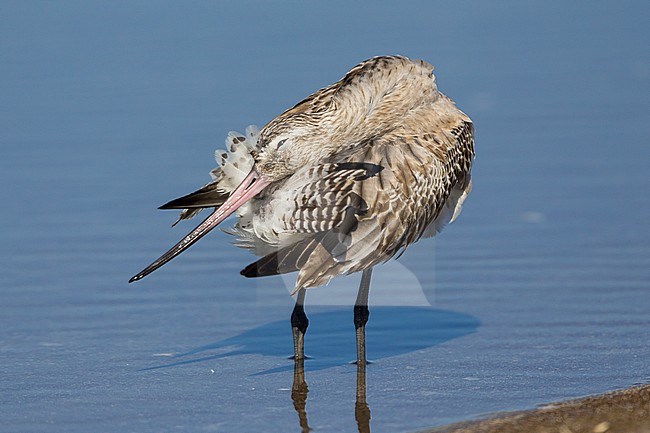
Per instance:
x=281, y=142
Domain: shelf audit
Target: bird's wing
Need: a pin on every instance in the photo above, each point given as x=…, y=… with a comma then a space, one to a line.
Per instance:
x=324, y=208
x=455, y=176
x=341, y=211
x=369, y=207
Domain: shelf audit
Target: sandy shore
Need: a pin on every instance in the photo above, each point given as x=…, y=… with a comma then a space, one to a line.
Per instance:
x=622, y=411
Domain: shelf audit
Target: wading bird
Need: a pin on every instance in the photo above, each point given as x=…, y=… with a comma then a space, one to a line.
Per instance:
x=343, y=181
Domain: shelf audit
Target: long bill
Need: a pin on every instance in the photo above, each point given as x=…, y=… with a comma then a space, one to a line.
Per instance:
x=252, y=184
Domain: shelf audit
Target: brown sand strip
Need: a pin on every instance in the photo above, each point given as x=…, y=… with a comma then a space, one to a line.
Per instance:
x=622, y=411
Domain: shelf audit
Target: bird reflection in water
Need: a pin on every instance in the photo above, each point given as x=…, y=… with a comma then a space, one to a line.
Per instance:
x=415, y=328
x=361, y=409
x=299, y=392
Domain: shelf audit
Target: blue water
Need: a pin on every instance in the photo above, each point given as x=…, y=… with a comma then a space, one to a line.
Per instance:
x=539, y=292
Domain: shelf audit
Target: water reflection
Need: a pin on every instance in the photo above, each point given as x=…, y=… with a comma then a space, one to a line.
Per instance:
x=299, y=392
x=361, y=409
x=330, y=342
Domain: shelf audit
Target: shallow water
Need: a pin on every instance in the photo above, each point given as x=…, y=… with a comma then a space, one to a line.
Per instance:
x=539, y=292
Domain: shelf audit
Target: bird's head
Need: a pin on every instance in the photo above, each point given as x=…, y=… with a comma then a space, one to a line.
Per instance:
x=285, y=145
x=280, y=151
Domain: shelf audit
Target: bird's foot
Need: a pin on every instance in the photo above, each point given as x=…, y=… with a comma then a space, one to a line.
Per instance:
x=294, y=357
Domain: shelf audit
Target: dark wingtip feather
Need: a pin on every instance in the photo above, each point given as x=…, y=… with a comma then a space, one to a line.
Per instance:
x=173, y=204
x=264, y=267
x=178, y=203
x=208, y=196
x=249, y=271
x=288, y=259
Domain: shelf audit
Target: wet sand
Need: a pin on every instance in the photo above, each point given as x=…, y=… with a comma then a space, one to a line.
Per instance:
x=622, y=411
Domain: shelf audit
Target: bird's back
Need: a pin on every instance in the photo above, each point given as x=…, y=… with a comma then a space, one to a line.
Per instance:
x=371, y=201
x=400, y=171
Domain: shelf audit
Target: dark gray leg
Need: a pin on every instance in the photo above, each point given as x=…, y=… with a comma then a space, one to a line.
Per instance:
x=299, y=323
x=361, y=314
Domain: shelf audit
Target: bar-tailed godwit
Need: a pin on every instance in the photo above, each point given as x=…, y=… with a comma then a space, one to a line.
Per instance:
x=345, y=180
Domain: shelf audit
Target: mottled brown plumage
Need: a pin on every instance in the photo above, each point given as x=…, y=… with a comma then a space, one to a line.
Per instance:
x=344, y=180
x=387, y=147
